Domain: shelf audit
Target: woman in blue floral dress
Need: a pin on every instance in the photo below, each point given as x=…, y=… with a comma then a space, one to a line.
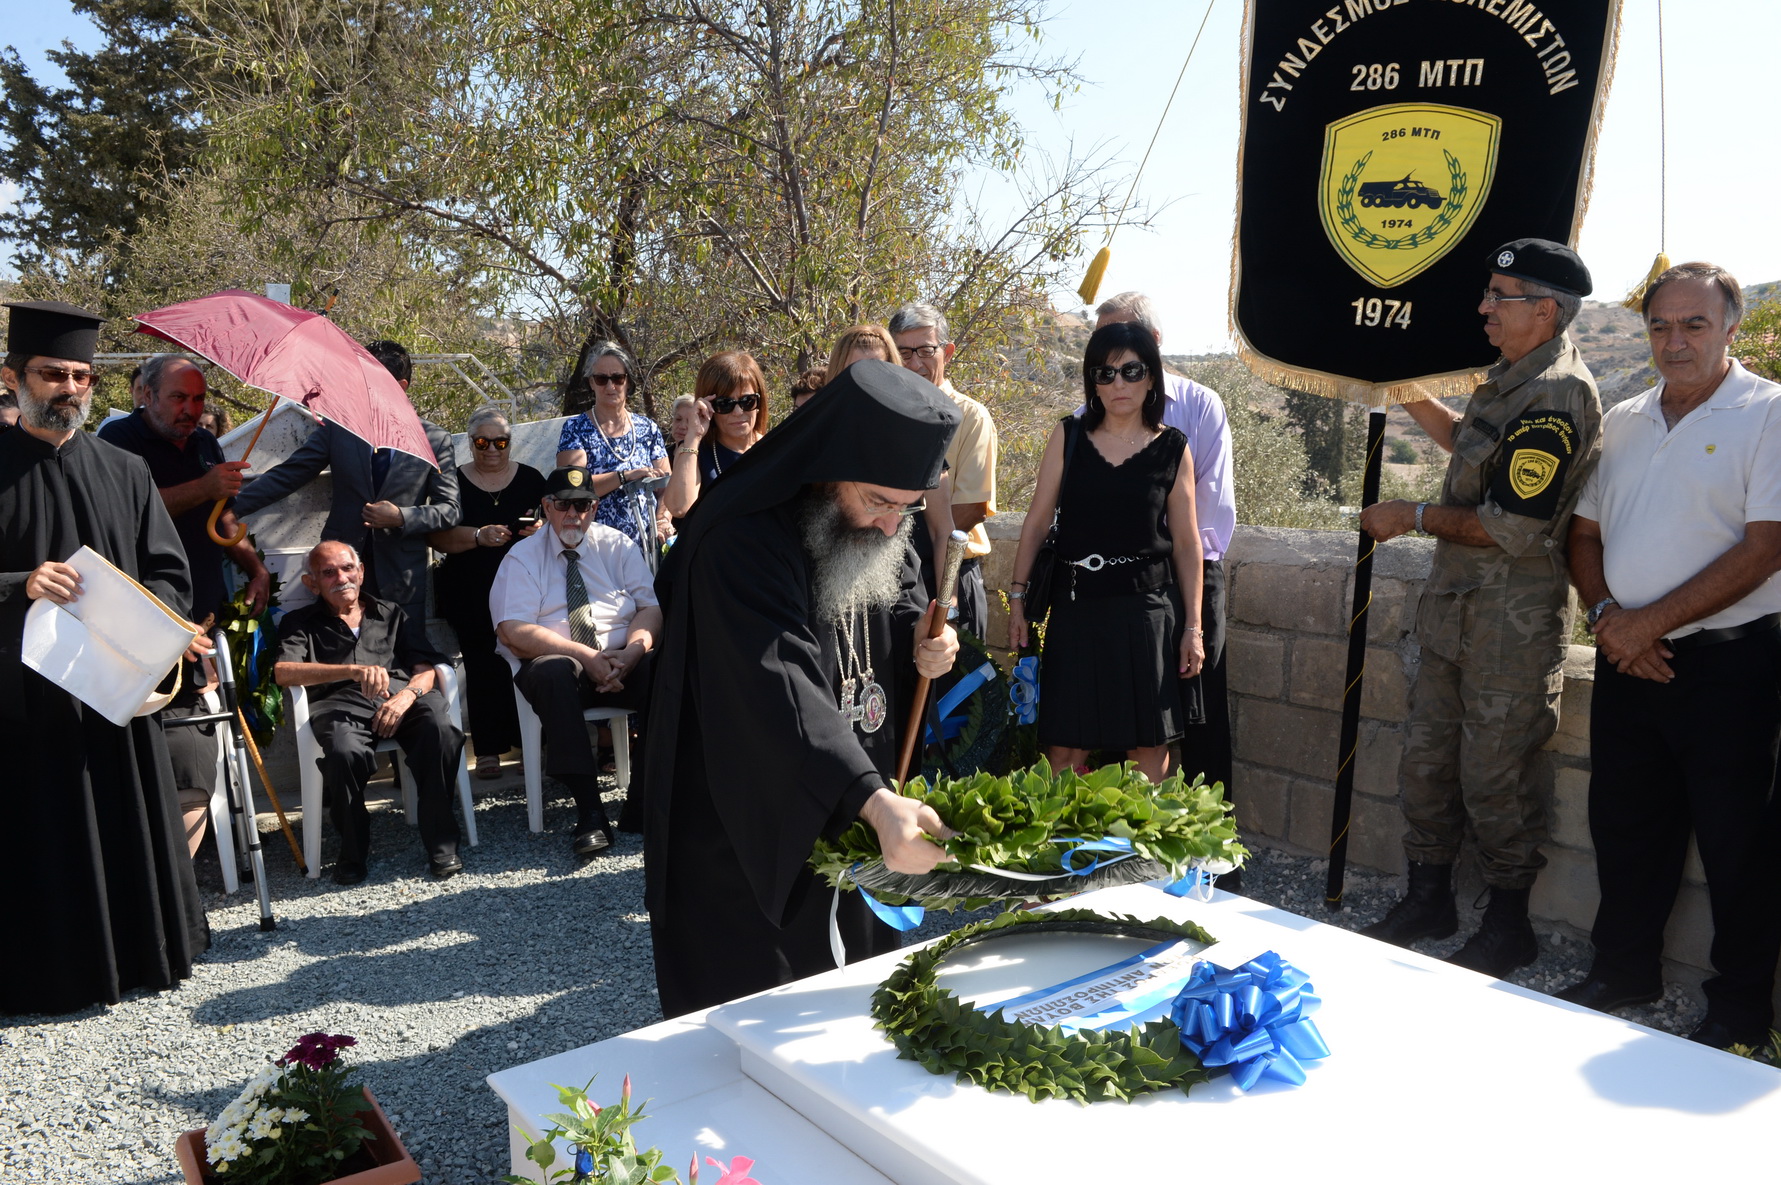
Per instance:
x=616, y=447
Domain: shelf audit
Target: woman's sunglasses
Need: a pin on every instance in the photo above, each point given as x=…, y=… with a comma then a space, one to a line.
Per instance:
x=1131, y=372
x=484, y=443
x=724, y=405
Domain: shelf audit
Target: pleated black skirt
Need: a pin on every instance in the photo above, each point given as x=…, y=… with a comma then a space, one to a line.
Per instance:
x=1107, y=674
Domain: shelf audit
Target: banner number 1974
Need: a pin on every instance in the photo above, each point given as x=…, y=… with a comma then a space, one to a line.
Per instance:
x=1374, y=311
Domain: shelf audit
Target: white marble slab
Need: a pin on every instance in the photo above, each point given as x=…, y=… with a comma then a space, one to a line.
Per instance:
x=1436, y=1073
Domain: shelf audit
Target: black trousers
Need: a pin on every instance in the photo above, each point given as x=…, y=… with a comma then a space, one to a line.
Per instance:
x=1699, y=751
x=489, y=714
x=559, y=691
x=192, y=747
x=1206, y=748
x=430, y=746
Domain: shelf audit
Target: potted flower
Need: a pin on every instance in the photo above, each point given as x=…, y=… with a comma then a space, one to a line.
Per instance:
x=303, y=1120
x=605, y=1150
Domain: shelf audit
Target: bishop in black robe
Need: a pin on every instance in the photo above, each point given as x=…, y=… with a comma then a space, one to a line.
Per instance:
x=750, y=758
x=93, y=865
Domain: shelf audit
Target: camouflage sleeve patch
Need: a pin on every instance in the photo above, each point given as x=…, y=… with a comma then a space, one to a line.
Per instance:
x=1538, y=451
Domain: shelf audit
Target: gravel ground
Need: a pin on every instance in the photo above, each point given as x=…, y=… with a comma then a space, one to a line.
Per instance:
x=527, y=953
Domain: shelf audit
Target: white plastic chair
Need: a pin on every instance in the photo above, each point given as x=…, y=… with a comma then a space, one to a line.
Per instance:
x=222, y=827
x=309, y=751
x=531, y=750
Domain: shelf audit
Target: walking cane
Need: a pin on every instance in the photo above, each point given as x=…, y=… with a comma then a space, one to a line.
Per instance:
x=949, y=578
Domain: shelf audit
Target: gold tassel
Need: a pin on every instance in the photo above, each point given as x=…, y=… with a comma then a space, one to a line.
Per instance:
x=1091, y=283
x=1636, y=297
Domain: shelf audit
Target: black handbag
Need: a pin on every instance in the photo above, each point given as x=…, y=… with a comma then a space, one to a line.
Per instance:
x=1044, y=578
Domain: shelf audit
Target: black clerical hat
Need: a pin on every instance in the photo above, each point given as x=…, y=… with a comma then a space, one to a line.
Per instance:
x=1542, y=261
x=52, y=329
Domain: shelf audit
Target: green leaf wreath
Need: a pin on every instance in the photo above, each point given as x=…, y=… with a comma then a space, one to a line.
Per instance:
x=1013, y=822
x=930, y=1025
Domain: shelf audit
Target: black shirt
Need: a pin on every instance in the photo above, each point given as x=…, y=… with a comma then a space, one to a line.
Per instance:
x=171, y=465
x=386, y=638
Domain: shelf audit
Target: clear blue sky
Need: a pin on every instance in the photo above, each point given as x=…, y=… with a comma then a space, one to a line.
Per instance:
x=1724, y=176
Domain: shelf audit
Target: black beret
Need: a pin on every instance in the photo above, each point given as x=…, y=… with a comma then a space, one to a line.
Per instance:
x=1542, y=261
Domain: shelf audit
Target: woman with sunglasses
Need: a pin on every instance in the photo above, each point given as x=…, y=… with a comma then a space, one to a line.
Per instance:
x=613, y=445
x=730, y=415
x=499, y=498
x=1125, y=615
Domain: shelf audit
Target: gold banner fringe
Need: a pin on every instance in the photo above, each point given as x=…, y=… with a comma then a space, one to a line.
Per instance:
x=1331, y=386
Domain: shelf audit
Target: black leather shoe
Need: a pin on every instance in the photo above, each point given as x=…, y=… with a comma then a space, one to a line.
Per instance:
x=1723, y=1035
x=592, y=841
x=1605, y=995
x=442, y=868
x=347, y=872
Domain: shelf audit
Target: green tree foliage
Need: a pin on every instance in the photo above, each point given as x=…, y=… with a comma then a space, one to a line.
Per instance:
x=678, y=175
x=1401, y=452
x=1334, y=433
x=90, y=157
x=1758, y=344
x=1269, y=464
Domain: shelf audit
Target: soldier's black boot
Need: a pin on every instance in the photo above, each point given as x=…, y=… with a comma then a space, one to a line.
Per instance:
x=1425, y=911
x=1506, y=939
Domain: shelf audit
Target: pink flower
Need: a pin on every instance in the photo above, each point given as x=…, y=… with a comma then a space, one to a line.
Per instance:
x=737, y=1173
x=317, y=1050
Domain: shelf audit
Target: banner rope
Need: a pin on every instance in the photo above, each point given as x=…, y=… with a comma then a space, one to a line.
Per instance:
x=1091, y=283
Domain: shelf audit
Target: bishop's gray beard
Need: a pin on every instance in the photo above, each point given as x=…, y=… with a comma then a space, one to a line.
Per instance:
x=854, y=567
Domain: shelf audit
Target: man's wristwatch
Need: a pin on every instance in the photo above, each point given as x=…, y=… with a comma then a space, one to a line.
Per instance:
x=1596, y=610
x=1420, y=507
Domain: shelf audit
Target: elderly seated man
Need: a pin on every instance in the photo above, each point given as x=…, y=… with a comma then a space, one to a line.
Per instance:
x=576, y=616
x=369, y=670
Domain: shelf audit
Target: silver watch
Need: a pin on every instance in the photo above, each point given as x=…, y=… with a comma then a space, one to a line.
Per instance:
x=1420, y=507
x=1596, y=610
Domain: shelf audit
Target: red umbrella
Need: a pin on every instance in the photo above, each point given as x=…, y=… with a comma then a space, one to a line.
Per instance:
x=296, y=355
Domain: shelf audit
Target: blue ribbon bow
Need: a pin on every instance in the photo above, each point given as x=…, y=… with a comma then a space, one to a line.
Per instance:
x=1256, y=1020
x=1023, y=689
x=897, y=917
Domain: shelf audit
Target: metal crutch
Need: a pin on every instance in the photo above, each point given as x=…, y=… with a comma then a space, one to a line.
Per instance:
x=241, y=795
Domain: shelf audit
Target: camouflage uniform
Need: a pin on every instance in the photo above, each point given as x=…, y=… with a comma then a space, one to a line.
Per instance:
x=1493, y=621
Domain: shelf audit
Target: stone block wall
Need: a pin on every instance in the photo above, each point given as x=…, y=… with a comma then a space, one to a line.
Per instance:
x=1288, y=612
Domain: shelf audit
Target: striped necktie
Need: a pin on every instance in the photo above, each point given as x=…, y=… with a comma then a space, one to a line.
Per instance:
x=581, y=615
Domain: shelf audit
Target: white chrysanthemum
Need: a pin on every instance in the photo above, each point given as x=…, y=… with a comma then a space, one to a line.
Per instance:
x=295, y=1115
x=261, y=1127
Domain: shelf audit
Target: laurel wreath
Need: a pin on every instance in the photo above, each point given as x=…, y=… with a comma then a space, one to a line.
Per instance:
x=1456, y=193
x=930, y=1025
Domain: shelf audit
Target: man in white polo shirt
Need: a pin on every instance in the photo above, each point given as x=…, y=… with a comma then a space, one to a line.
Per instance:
x=576, y=616
x=1672, y=548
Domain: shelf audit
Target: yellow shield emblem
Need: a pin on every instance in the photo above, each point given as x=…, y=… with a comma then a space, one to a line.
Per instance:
x=574, y=476
x=1530, y=471
x=1402, y=184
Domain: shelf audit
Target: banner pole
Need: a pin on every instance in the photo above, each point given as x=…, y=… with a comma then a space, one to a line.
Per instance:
x=1348, y=744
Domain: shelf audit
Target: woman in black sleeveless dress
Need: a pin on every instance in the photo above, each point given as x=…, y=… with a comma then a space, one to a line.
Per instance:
x=1125, y=618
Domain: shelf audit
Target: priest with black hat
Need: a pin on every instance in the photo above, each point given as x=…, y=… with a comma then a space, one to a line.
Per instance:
x=100, y=893
x=793, y=603
x=1494, y=619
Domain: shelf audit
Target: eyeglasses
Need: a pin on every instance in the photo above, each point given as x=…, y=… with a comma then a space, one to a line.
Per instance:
x=484, y=443
x=576, y=506
x=724, y=405
x=925, y=353
x=1492, y=298
x=1131, y=372
x=877, y=508
x=55, y=376
x=601, y=380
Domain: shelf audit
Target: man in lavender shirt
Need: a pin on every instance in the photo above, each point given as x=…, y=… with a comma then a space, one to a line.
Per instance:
x=1199, y=413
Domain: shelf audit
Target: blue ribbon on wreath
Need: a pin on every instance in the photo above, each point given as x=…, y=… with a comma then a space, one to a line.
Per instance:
x=1255, y=1020
x=898, y=917
x=950, y=724
x=1023, y=689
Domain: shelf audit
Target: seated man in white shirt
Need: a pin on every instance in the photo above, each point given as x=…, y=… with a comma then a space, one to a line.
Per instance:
x=576, y=616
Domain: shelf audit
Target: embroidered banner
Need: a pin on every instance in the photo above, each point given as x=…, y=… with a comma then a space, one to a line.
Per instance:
x=1387, y=147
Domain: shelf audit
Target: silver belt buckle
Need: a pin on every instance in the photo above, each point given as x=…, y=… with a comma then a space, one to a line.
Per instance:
x=1092, y=562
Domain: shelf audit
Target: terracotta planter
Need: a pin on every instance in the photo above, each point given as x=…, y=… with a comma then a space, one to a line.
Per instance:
x=394, y=1165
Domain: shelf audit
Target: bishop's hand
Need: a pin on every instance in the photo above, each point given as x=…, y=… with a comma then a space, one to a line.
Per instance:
x=906, y=832
x=934, y=656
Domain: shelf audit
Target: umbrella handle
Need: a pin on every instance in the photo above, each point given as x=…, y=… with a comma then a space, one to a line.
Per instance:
x=216, y=511
x=216, y=537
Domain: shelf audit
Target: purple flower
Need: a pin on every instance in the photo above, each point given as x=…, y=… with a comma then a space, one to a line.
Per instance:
x=318, y=1051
